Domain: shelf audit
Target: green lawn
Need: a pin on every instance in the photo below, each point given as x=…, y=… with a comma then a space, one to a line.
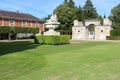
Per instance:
x=86, y=60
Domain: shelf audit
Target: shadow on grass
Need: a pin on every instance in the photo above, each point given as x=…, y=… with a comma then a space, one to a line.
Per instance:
x=15, y=46
x=19, y=64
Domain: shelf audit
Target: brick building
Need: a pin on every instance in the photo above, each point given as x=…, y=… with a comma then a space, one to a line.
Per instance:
x=8, y=18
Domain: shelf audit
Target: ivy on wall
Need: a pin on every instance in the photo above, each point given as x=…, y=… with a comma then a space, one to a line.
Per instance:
x=7, y=29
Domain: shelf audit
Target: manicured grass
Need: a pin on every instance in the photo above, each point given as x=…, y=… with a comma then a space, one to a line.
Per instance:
x=84, y=60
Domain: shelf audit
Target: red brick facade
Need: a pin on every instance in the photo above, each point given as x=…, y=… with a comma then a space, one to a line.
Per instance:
x=5, y=22
x=19, y=23
x=0, y=21
x=16, y=19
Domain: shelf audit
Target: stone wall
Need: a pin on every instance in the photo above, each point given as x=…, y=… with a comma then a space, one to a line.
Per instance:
x=95, y=22
x=101, y=32
x=80, y=32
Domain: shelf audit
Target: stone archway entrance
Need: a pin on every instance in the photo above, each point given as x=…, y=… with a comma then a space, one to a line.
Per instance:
x=91, y=31
x=90, y=25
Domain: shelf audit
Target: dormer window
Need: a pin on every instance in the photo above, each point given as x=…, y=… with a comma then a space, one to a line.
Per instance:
x=12, y=21
x=36, y=24
x=24, y=23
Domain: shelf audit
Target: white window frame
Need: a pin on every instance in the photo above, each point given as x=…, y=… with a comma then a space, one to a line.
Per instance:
x=37, y=23
x=11, y=24
x=24, y=24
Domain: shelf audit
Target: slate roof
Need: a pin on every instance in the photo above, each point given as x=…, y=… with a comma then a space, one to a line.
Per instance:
x=17, y=15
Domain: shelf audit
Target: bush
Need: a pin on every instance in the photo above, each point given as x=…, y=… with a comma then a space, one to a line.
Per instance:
x=38, y=40
x=4, y=29
x=52, y=40
x=26, y=30
x=115, y=32
x=113, y=37
x=7, y=29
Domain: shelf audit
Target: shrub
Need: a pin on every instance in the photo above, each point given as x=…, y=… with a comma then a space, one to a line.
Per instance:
x=38, y=40
x=7, y=29
x=113, y=37
x=52, y=40
x=26, y=30
x=115, y=32
x=4, y=29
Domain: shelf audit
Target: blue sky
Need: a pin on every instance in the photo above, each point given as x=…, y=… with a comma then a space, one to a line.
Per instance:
x=41, y=8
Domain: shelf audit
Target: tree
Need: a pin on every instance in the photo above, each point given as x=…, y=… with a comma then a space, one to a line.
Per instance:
x=66, y=15
x=104, y=16
x=89, y=10
x=71, y=3
x=68, y=12
x=65, y=1
x=101, y=19
x=46, y=18
x=115, y=16
x=80, y=14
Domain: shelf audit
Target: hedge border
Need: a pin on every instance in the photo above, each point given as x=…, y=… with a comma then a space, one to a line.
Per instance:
x=15, y=29
x=52, y=40
x=113, y=37
x=115, y=32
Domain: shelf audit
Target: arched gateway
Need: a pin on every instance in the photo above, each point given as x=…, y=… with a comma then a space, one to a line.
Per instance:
x=91, y=29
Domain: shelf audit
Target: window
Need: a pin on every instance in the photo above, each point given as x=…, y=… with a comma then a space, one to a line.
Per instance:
x=36, y=24
x=12, y=21
x=24, y=23
x=101, y=30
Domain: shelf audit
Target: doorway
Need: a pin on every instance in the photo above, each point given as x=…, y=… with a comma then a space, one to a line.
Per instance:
x=91, y=30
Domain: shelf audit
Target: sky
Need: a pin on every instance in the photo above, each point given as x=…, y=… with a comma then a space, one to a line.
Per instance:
x=42, y=8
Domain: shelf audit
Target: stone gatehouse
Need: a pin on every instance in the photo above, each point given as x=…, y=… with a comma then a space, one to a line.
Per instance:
x=91, y=29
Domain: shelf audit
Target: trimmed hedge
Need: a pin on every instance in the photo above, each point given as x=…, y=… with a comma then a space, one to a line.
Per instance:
x=39, y=40
x=4, y=29
x=113, y=37
x=115, y=32
x=52, y=40
x=7, y=29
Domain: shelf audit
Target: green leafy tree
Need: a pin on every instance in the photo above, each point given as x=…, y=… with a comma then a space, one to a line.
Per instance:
x=104, y=16
x=115, y=16
x=66, y=15
x=65, y=1
x=68, y=12
x=71, y=3
x=80, y=15
x=101, y=19
x=46, y=18
x=89, y=10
